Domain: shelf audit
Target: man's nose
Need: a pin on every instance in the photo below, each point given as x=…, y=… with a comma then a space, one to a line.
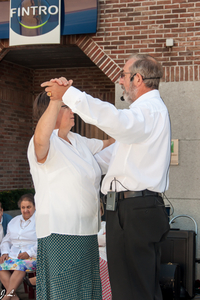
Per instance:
x=121, y=80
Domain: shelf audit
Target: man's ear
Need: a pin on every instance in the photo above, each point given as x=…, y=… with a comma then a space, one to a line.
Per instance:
x=138, y=79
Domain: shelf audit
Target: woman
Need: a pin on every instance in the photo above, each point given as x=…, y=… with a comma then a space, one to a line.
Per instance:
x=66, y=178
x=19, y=248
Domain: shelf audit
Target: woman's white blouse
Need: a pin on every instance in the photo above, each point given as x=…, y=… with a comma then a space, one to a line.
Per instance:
x=21, y=237
x=67, y=186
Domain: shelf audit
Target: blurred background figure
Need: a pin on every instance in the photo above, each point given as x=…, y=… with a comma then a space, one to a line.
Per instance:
x=4, y=220
x=19, y=248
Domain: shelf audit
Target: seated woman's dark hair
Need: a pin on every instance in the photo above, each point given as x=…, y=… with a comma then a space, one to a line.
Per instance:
x=26, y=197
x=40, y=105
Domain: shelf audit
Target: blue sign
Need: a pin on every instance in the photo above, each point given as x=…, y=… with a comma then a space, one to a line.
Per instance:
x=79, y=22
x=4, y=30
x=32, y=20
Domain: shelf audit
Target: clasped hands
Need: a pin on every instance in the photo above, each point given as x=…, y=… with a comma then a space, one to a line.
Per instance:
x=23, y=255
x=57, y=87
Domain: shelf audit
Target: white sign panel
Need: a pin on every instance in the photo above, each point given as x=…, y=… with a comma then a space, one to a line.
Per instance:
x=34, y=22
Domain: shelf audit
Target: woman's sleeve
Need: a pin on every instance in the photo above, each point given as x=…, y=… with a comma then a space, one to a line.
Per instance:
x=103, y=158
x=94, y=145
x=32, y=156
x=32, y=252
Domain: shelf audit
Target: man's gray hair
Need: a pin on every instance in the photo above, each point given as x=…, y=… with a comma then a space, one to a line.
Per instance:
x=150, y=69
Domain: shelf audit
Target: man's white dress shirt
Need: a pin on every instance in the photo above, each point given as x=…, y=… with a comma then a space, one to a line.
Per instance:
x=140, y=157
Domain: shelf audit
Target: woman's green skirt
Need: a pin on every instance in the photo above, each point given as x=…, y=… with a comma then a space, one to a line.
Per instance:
x=68, y=268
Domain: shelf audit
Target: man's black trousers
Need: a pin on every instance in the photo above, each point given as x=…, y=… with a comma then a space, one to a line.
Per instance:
x=133, y=235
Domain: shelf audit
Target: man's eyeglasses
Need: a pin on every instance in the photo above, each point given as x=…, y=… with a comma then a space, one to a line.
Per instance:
x=123, y=74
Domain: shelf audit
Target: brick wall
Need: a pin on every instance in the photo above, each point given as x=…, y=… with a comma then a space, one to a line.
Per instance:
x=127, y=26
x=15, y=125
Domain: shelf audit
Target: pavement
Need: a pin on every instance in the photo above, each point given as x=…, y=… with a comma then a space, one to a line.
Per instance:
x=24, y=296
x=21, y=293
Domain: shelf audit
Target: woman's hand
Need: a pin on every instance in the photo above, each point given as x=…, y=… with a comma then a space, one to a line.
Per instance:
x=108, y=142
x=3, y=258
x=57, y=87
x=23, y=255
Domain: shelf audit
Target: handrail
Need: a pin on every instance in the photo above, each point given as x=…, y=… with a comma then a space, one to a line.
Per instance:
x=186, y=216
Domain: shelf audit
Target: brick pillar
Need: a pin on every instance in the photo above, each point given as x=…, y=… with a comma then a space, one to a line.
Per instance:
x=4, y=48
x=99, y=57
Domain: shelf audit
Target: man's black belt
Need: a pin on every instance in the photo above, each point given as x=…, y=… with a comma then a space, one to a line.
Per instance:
x=132, y=194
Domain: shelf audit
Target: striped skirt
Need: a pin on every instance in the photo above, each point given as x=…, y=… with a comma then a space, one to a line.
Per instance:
x=68, y=268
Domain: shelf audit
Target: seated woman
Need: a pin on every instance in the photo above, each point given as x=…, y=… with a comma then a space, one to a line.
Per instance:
x=19, y=248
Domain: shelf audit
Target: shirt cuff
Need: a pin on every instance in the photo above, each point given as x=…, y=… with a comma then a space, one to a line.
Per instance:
x=31, y=253
x=4, y=252
x=71, y=97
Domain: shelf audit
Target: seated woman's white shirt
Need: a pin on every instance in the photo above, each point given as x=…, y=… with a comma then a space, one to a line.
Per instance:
x=67, y=186
x=20, y=237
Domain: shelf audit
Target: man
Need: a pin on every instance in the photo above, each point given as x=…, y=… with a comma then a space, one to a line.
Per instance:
x=137, y=172
x=4, y=220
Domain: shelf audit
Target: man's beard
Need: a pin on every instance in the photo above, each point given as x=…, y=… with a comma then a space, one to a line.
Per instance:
x=127, y=98
x=130, y=96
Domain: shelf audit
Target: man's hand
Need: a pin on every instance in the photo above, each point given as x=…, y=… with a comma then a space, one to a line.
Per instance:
x=3, y=258
x=23, y=255
x=61, y=81
x=56, y=91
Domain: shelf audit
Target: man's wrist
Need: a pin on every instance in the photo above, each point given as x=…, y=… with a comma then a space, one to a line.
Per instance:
x=71, y=96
